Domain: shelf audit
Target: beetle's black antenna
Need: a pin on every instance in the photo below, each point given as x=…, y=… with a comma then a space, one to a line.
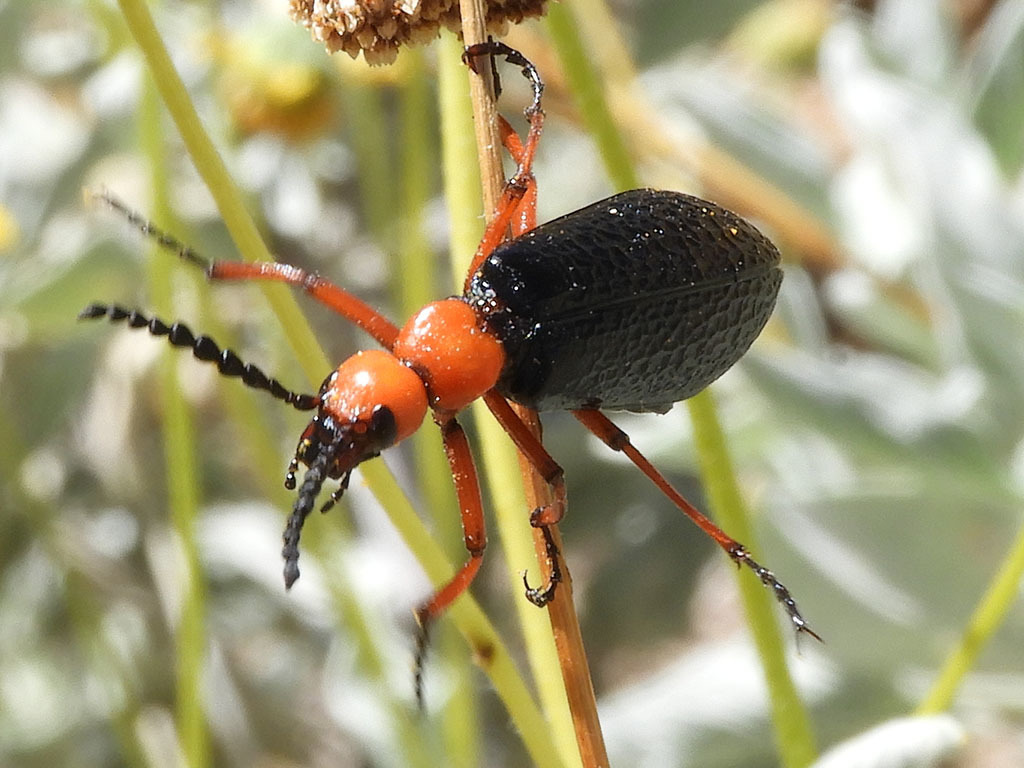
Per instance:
x=204, y=348
x=165, y=240
x=317, y=473
x=512, y=56
x=308, y=491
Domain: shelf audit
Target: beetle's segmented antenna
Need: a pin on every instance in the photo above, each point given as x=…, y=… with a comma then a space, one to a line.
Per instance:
x=203, y=348
x=310, y=489
x=741, y=556
x=512, y=56
x=149, y=229
x=312, y=483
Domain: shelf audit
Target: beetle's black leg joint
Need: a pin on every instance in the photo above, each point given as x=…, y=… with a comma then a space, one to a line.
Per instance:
x=470, y=60
x=740, y=556
x=541, y=596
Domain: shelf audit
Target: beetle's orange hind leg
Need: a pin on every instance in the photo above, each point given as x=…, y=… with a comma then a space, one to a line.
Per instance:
x=467, y=488
x=601, y=426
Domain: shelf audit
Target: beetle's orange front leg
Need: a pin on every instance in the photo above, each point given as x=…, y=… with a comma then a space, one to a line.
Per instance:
x=474, y=530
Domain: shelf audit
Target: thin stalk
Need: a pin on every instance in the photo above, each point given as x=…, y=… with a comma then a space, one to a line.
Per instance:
x=588, y=93
x=365, y=118
x=485, y=112
x=990, y=614
x=467, y=615
x=181, y=470
x=461, y=182
x=565, y=629
x=416, y=271
x=792, y=724
x=225, y=192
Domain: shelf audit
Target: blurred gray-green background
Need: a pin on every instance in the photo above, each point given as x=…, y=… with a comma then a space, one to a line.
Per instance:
x=877, y=425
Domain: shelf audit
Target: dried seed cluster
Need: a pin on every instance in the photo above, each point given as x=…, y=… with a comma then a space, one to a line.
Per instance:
x=379, y=27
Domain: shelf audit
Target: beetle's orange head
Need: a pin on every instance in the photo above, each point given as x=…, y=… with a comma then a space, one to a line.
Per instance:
x=371, y=402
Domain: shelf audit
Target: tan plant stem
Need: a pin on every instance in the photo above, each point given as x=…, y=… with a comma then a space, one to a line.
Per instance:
x=561, y=610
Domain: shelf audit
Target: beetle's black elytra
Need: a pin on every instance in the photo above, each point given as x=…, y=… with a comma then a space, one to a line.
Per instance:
x=633, y=303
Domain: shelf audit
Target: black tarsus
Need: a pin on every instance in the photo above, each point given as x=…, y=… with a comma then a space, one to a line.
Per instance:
x=541, y=596
x=203, y=348
x=512, y=56
x=422, y=644
x=778, y=589
x=338, y=492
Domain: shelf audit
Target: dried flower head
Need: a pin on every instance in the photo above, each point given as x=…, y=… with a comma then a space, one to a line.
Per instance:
x=379, y=27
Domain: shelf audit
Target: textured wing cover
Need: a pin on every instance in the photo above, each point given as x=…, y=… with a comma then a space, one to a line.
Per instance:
x=633, y=303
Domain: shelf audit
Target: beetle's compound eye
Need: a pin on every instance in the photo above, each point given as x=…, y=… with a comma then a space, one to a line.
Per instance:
x=327, y=383
x=383, y=426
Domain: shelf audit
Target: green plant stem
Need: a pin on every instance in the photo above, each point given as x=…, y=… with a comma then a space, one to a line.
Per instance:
x=467, y=615
x=417, y=276
x=588, y=93
x=999, y=598
x=365, y=115
x=794, y=737
x=181, y=471
x=793, y=733
x=225, y=193
x=398, y=228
